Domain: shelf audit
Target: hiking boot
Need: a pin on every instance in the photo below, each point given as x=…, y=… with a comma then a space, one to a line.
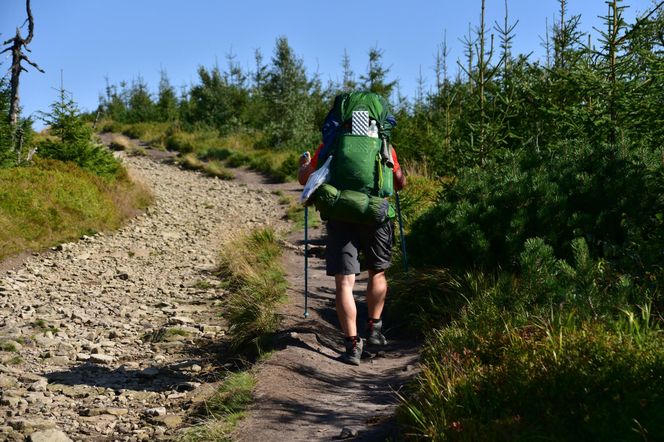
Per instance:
x=374, y=336
x=353, y=352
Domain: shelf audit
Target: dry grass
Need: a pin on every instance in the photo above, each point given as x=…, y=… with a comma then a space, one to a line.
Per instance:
x=191, y=162
x=250, y=267
x=130, y=197
x=121, y=143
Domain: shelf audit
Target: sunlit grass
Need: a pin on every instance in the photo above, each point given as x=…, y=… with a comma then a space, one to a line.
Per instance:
x=53, y=202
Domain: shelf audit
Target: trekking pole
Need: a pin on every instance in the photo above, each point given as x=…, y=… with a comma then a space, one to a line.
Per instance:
x=306, y=257
x=403, y=239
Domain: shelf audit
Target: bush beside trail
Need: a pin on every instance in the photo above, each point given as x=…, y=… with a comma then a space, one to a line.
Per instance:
x=575, y=190
x=539, y=283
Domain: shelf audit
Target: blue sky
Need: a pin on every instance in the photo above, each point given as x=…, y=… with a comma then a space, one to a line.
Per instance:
x=89, y=40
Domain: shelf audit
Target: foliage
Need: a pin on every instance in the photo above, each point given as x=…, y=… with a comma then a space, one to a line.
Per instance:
x=375, y=79
x=548, y=380
x=74, y=140
x=16, y=144
x=581, y=191
x=566, y=351
x=167, y=101
x=291, y=109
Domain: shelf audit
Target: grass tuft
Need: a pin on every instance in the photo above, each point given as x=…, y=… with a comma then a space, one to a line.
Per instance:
x=217, y=169
x=120, y=143
x=295, y=213
x=223, y=410
x=250, y=267
x=8, y=346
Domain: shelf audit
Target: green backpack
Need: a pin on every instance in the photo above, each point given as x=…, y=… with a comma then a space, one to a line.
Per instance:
x=360, y=169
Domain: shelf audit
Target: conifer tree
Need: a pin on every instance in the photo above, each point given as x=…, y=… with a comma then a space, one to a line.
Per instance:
x=375, y=79
x=6, y=147
x=287, y=94
x=74, y=139
x=348, y=82
x=141, y=106
x=167, y=102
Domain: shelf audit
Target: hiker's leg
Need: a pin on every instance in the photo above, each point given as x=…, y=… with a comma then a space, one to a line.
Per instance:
x=376, y=293
x=346, y=309
x=378, y=249
x=341, y=258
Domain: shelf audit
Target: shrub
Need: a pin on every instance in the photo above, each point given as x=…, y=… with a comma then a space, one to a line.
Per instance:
x=420, y=193
x=151, y=133
x=580, y=191
x=180, y=142
x=238, y=159
x=215, y=153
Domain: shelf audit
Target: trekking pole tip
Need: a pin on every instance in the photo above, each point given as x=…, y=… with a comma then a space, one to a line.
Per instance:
x=306, y=315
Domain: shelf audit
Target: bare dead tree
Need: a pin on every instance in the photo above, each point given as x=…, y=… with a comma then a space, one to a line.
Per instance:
x=18, y=46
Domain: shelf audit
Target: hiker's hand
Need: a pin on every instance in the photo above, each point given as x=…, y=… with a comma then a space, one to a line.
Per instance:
x=305, y=158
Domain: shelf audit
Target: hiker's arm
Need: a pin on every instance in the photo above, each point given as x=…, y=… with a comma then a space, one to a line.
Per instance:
x=307, y=165
x=305, y=168
x=399, y=177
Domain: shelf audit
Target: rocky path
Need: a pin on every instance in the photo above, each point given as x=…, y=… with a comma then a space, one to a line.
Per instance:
x=112, y=337
x=116, y=337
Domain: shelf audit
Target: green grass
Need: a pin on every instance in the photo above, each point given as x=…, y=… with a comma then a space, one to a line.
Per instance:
x=223, y=410
x=217, y=169
x=250, y=269
x=203, y=285
x=43, y=327
x=176, y=331
x=549, y=379
x=295, y=213
x=16, y=360
x=8, y=346
x=419, y=195
x=53, y=202
x=137, y=152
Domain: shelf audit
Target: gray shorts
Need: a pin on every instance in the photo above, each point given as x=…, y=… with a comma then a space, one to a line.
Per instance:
x=346, y=240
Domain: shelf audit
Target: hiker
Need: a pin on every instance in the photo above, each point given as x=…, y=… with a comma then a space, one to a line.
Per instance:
x=345, y=239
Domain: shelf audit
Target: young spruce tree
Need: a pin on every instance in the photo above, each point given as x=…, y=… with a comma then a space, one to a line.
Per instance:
x=74, y=140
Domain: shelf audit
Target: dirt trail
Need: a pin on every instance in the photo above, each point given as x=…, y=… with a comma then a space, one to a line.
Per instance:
x=87, y=353
x=304, y=392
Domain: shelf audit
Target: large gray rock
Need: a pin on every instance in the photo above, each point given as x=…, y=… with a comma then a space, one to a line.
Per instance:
x=49, y=436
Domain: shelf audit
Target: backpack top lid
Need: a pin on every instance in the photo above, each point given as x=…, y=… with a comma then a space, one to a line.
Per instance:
x=342, y=112
x=345, y=104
